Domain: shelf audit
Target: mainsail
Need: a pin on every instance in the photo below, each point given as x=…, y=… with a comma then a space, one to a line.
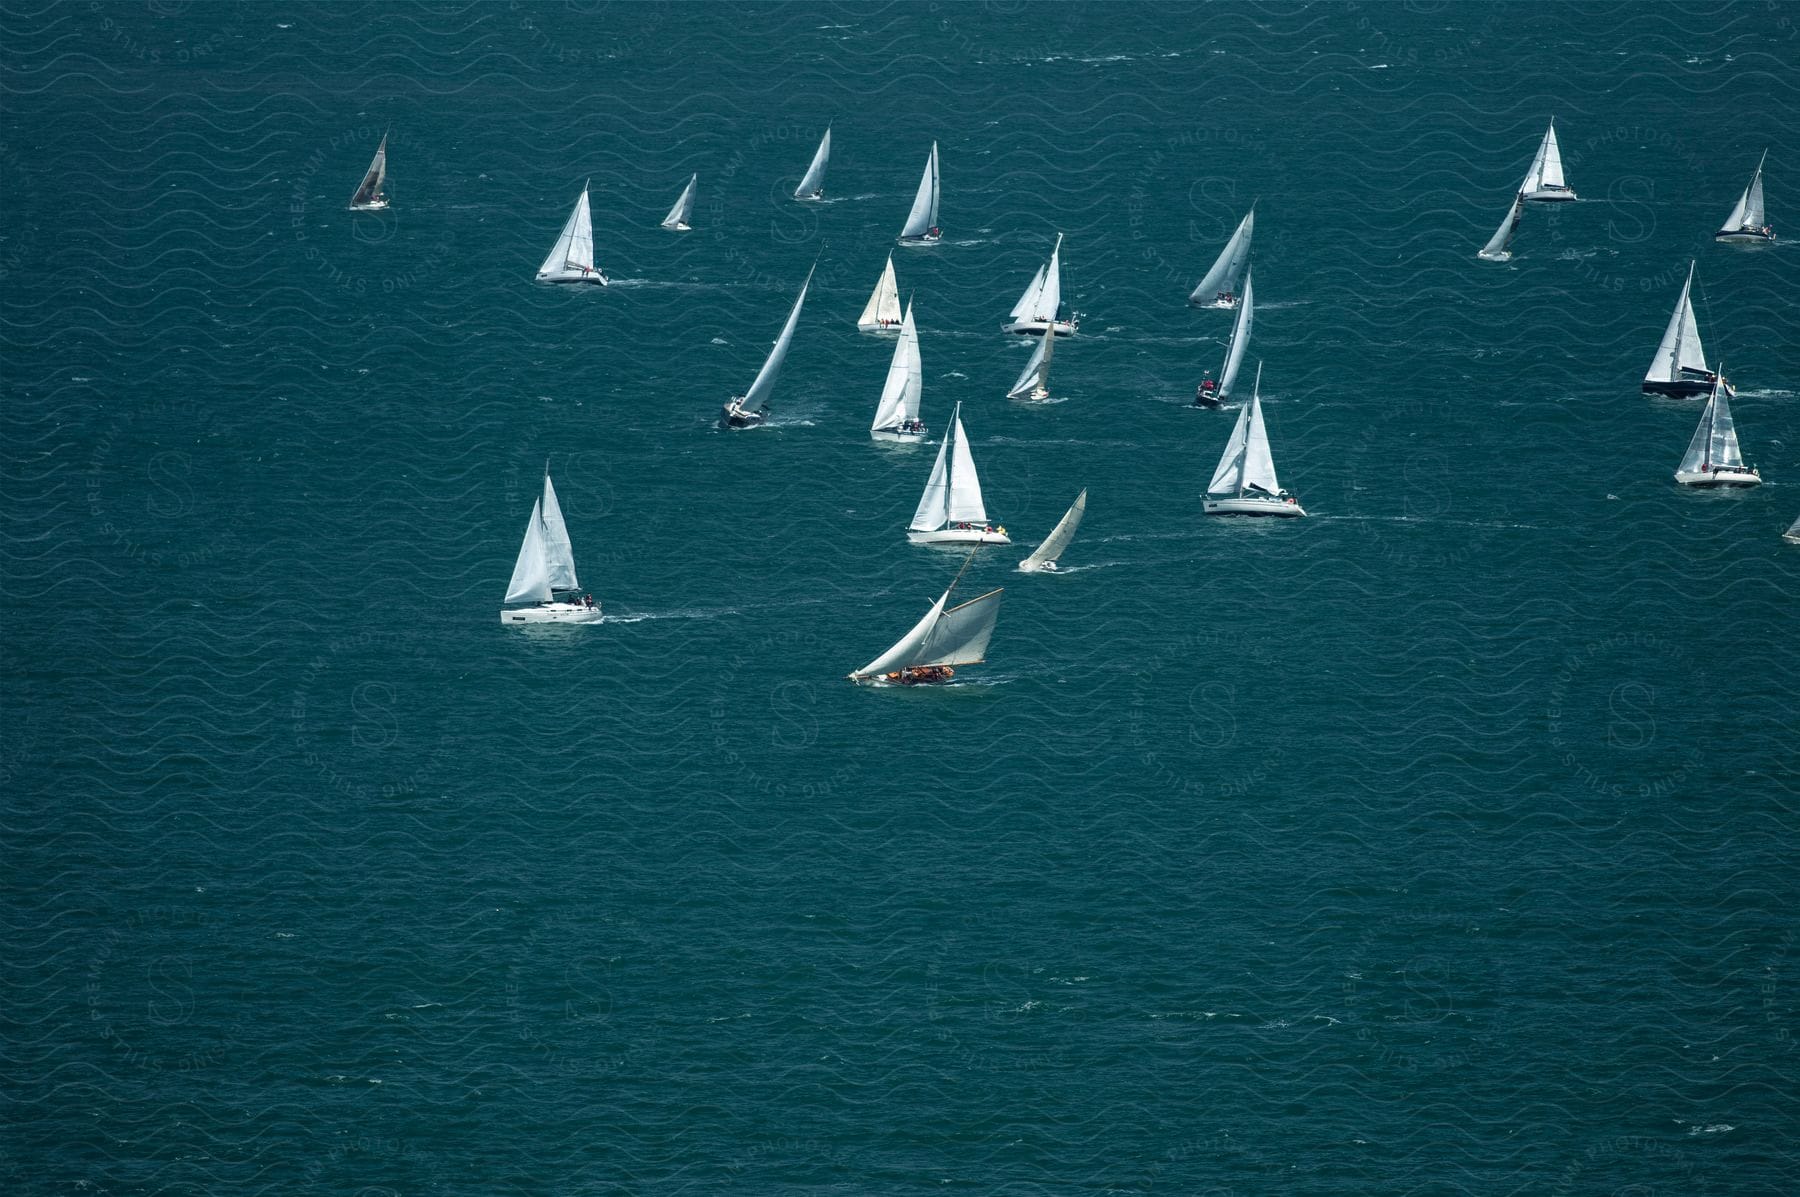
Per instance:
x=883, y=308
x=1748, y=213
x=369, y=189
x=558, y=554
x=1715, y=441
x=574, y=248
x=1680, y=348
x=684, y=207
x=757, y=396
x=1499, y=246
x=1246, y=463
x=813, y=185
x=924, y=215
x=1059, y=538
x=1043, y=296
x=957, y=636
x=1225, y=272
x=1240, y=339
x=900, y=395
x=953, y=493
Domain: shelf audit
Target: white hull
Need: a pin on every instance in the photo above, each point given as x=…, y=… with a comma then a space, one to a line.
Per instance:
x=1042, y=567
x=1035, y=395
x=1730, y=476
x=736, y=417
x=958, y=536
x=678, y=228
x=921, y=239
x=1744, y=237
x=1504, y=255
x=1246, y=505
x=371, y=206
x=1219, y=305
x=552, y=613
x=877, y=326
x=1791, y=537
x=888, y=434
x=597, y=277
x=1551, y=195
x=1035, y=328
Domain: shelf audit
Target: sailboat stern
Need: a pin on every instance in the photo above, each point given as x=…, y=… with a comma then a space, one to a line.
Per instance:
x=733, y=416
x=1762, y=236
x=550, y=613
x=1281, y=506
x=1548, y=194
x=1719, y=476
x=966, y=534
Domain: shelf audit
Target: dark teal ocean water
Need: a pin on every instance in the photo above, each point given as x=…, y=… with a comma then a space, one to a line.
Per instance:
x=1440, y=843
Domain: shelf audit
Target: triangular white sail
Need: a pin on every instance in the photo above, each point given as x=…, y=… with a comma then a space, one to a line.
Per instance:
x=573, y=253
x=953, y=493
x=1748, y=214
x=1034, y=380
x=883, y=308
x=559, y=555
x=1229, y=267
x=1247, y=463
x=1715, y=441
x=1044, y=296
x=757, y=396
x=1792, y=535
x=960, y=635
x=1550, y=168
x=1059, y=537
x=812, y=186
x=924, y=214
x=905, y=380
x=531, y=572
x=1230, y=472
x=1028, y=301
x=684, y=207
x=1240, y=339
x=1680, y=348
x=908, y=647
x=369, y=190
x=1499, y=246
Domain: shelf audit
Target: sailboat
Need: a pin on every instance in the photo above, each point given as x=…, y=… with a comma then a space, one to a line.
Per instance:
x=1713, y=457
x=1043, y=558
x=749, y=409
x=943, y=639
x=1041, y=305
x=1499, y=246
x=1792, y=535
x=882, y=312
x=545, y=568
x=897, y=415
x=1217, y=393
x=677, y=219
x=1679, y=367
x=951, y=511
x=1244, y=483
x=571, y=259
x=922, y=222
x=1219, y=288
x=1544, y=181
x=1748, y=223
x=368, y=196
x=1034, y=380
x=812, y=186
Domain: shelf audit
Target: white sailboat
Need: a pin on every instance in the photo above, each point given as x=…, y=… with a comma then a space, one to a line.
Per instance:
x=1210, y=393
x=749, y=409
x=1219, y=288
x=1041, y=305
x=1713, y=457
x=677, y=219
x=368, y=196
x=571, y=259
x=546, y=568
x=1499, y=246
x=945, y=638
x=882, y=312
x=921, y=226
x=812, y=186
x=1679, y=368
x=1034, y=380
x=1245, y=483
x=1748, y=223
x=1544, y=183
x=951, y=510
x=1792, y=535
x=897, y=415
x=1043, y=559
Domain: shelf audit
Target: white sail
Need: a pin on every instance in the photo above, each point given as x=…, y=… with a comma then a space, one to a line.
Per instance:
x=1246, y=462
x=1048, y=296
x=1240, y=339
x=1715, y=440
x=953, y=492
x=684, y=207
x=531, y=572
x=1230, y=472
x=1748, y=212
x=1035, y=377
x=883, y=308
x=1550, y=168
x=1534, y=174
x=559, y=555
x=1028, y=302
x=1230, y=264
x=1059, y=538
x=813, y=184
x=1499, y=246
x=906, y=649
x=369, y=189
x=574, y=248
x=924, y=214
x=758, y=395
x=1680, y=348
x=905, y=380
x=960, y=635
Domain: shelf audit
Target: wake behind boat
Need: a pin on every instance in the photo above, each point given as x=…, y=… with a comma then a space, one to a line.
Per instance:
x=752, y=407
x=951, y=510
x=1218, y=288
x=545, y=568
x=1044, y=558
x=1713, y=457
x=1544, y=183
x=1679, y=368
x=368, y=196
x=945, y=638
x=571, y=259
x=1245, y=483
x=1748, y=223
x=921, y=226
x=1041, y=306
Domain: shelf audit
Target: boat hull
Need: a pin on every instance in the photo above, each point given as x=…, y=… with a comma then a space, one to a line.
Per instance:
x=876, y=326
x=732, y=417
x=1684, y=388
x=1791, y=537
x=921, y=239
x=1035, y=395
x=551, y=613
x=922, y=675
x=1552, y=195
x=597, y=278
x=1711, y=479
x=1245, y=505
x=1041, y=567
x=1744, y=237
x=959, y=536
x=1504, y=255
x=379, y=205
x=889, y=434
x=678, y=228
x=1035, y=328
